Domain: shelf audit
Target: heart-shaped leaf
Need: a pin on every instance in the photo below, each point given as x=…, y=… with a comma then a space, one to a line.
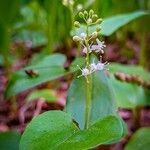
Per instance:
x=49, y=68
x=102, y=103
x=55, y=130
x=140, y=140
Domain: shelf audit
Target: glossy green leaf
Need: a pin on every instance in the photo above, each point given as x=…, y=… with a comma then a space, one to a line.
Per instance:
x=9, y=140
x=49, y=68
x=45, y=94
x=130, y=95
x=140, y=140
x=112, y=24
x=55, y=130
x=102, y=103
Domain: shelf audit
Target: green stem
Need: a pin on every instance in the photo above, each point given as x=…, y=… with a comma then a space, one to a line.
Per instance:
x=88, y=85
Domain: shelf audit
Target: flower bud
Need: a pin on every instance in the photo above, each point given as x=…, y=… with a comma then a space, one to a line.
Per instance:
x=94, y=35
x=99, y=21
x=77, y=24
x=85, y=14
x=76, y=38
x=94, y=16
x=91, y=12
x=98, y=29
x=81, y=15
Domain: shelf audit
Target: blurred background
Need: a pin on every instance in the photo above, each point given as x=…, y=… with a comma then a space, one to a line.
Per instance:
x=30, y=30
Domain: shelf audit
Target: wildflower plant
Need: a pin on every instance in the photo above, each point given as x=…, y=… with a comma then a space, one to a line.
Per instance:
x=89, y=118
x=91, y=44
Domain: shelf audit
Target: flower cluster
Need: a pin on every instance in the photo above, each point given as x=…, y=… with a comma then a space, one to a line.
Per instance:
x=90, y=42
x=93, y=67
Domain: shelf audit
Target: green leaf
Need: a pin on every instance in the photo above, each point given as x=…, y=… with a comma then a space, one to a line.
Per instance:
x=80, y=61
x=102, y=103
x=130, y=95
x=130, y=69
x=49, y=68
x=55, y=130
x=9, y=140
x=140, y=140
x=112, y=24
x=47, y=95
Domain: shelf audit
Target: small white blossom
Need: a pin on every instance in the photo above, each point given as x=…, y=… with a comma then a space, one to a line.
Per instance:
x=85, y=71
x=85, y=49
x=93, y=67
x=100, y=65
x=99, y=46
x=83, y=36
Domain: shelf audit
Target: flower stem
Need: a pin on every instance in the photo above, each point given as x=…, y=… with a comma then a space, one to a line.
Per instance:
x=88, y=85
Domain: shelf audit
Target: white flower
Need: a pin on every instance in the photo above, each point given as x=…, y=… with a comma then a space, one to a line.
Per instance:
x=99, y=46
x=85, y=71
x=100, y=65
x=85, y=49
x=93, y=67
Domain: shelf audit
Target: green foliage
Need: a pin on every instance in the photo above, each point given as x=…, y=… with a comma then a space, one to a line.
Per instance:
x=78, y=61
x=130, y=95
x=112, y=24
x=140, y=140
x=7, y=18
x=130, y=69
x=48, y=68
x=45, y=94
x=9, y=140
x=102, y=103
x=56, y=130
x=59, y=22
